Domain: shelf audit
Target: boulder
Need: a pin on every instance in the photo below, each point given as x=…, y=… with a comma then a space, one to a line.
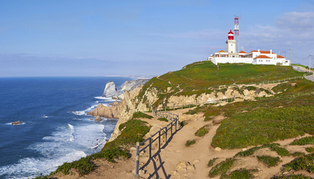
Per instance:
x=110, y=90
x=98, y=118
x=16, y=123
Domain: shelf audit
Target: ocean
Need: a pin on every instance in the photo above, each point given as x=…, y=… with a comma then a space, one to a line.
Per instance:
x=55, y=126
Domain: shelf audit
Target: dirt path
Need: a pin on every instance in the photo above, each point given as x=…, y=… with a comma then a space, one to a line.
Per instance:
x=177, y=161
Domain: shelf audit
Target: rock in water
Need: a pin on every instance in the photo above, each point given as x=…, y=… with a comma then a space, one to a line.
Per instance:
x=98, y=118
x=16, y=123
x=110, y=90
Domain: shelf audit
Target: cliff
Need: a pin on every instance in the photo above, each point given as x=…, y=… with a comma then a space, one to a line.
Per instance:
x=111, y=90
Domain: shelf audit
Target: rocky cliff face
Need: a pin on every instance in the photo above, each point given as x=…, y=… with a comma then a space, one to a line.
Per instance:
x=132, y=102
x=112, y=91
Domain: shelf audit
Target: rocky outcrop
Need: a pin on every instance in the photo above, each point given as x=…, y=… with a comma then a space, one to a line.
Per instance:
x=111, y=90
x=17, y=123
x=131, y=102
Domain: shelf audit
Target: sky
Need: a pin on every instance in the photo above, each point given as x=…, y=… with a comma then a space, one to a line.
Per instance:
x=143, y=37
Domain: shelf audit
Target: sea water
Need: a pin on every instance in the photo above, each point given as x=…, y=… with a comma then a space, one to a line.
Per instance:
x=55, y=126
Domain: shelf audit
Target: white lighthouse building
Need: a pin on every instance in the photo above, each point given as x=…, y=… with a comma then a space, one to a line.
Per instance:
x=256, y=57
x=231, y=45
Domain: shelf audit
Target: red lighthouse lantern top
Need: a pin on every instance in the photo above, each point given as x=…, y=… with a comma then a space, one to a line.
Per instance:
x=230, y=35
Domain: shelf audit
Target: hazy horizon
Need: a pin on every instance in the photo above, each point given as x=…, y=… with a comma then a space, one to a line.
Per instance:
x=143, y=38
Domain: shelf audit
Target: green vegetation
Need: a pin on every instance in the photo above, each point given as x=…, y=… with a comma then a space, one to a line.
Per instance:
x=268, y=160
x=222, y=167
x=303, y=141
x=163, y=119
x=309, y=149
x=131, y=132
x=211, y=162
x=189, y=142
x=286, y=115
x=274, y=147
x=238, y=174
x=302, y=163
x=202, y=131
x=300, y=176
x=141, y=115
x=196, y=78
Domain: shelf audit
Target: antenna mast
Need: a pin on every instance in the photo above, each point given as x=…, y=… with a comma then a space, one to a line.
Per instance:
x=236, y=30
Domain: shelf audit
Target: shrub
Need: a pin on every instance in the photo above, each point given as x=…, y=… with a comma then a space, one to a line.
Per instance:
x=83, y=166
x=190, y=142
x=141, y=115
x=303, y=141
x=247, y=152
x=309, y=149
x=293, y=176
x=163, y=119
x=268, y=160
x=239, y=174
x=222, y=167
x=202, y=131
x=305, y=162
x=211, y=162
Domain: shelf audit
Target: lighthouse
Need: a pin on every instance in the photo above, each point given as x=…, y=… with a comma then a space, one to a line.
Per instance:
x=231, y=45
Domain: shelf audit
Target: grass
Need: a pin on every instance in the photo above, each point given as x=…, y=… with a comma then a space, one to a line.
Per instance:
x=190, y=142
x=309, y=149
x=299, y=176
x=222, y=167
x=268, y=160
x=266, y=122
x=202, y=131
x=274, y=147
x=141, y=115
x=238, y=174
x=163, y=119
x=303, y=141
x=211, y=162
x=195, y=78
x=305, y=162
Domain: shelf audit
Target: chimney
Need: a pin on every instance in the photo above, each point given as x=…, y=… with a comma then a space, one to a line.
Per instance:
x=271, y=51
x=258, y=50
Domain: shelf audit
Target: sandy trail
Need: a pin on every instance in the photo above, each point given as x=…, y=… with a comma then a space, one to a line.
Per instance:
x=177, y=161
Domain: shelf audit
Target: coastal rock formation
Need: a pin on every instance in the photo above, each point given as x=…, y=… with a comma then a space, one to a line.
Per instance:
x=111, y=90
x=16, y=123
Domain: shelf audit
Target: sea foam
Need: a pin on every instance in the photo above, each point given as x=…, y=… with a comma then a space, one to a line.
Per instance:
x=67, y=144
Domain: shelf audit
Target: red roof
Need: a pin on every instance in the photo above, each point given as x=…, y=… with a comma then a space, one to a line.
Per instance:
x=263, y=56
x=242, y=52
x=222, y=51
x=279, y=56
x=230, y=32
x=268, y=52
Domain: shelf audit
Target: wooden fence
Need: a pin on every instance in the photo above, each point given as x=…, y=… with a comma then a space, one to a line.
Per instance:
x=162, y=136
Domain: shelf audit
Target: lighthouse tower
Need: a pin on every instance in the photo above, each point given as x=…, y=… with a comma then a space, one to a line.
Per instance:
x=231, y=45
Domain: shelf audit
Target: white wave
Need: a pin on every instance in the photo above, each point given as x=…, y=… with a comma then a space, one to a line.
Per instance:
x=84, y=112
x=44, y=116
x=57, y=149
x=100, y=97
x=32, y=167
x=72, y=132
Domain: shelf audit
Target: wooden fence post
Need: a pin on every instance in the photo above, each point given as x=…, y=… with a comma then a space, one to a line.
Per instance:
x=137, y=159
x=150, y=147
x=159, y=138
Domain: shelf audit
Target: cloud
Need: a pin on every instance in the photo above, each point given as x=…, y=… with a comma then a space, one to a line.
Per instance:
x=293, y=21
